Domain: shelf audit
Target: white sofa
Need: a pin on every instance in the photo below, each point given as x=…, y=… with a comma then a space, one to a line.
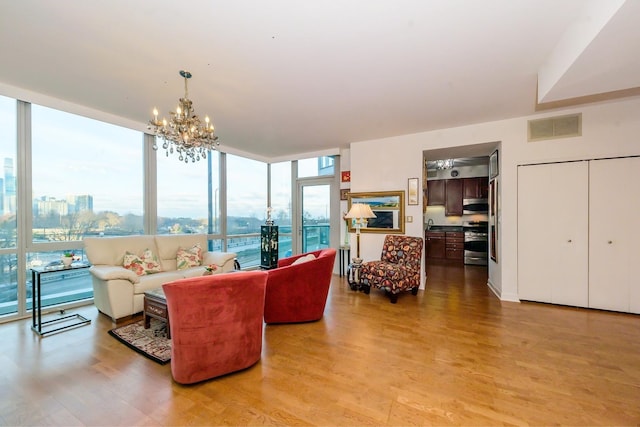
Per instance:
x=119, y=292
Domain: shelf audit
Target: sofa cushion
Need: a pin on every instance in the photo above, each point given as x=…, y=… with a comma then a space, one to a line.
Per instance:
x=147, y=263
x=111, y=250
x=153, y=281
x=168, y=245
x=187, y=258
x=303, y=259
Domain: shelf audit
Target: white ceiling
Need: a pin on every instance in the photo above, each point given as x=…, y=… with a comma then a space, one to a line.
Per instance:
x=284, y=77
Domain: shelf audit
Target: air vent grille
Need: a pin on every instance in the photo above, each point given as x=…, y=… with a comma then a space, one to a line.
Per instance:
x=555, y=127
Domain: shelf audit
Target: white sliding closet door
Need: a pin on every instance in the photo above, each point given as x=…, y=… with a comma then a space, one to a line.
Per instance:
x=614, y=234
x=553, y=209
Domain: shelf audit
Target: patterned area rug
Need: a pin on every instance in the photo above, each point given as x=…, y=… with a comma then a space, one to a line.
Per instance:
x=151, y=342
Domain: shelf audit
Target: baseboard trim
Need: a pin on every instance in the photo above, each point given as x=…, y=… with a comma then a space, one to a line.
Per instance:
x=500, y=295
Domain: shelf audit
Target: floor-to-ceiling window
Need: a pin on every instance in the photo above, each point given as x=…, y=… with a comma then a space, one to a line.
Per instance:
x=183, y=195
x=314, y=183
x=70, y=176
x=86, y=180
x=8, y=223
x=188, y=196
x=246, y=207
x=280, y=193
x=316, y=166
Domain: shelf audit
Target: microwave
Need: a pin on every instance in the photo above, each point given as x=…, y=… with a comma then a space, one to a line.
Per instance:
x=475, y=206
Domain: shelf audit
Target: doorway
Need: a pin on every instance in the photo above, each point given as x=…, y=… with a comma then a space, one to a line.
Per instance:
x=313, y=213
x=454, y=228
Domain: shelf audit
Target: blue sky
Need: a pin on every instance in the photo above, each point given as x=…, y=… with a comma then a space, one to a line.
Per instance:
x=73, y=155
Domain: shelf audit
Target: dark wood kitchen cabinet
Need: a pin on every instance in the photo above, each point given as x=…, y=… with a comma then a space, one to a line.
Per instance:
x=450, y=192
x=435, y=246
x=435, y=192
x=454, y=245
x=441, y=245
x=475, y=188
x=453, y=202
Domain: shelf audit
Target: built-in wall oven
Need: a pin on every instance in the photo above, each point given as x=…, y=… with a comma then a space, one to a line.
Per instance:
x=476, y=242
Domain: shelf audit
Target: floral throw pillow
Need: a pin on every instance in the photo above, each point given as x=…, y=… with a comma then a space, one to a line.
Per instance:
x=147, y=263
x=187, y=258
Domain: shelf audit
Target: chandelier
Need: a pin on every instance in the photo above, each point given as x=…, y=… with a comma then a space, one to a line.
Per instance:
x=444, y=164
x=184, y=133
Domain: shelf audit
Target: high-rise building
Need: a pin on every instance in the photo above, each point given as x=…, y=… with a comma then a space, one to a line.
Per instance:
x=79, y=203
x=9, y=193
x=46, y=205
x=2, y=195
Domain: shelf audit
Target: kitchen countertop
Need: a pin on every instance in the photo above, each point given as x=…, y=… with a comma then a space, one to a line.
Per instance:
x=445, y=228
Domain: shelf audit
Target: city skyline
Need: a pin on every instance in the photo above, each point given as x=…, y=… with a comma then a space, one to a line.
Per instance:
x=184, y=206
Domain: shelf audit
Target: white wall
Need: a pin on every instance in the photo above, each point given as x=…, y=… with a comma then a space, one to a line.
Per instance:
x=610, y=129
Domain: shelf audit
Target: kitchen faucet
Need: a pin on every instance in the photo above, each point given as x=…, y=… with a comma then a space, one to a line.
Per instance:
x=429, y=223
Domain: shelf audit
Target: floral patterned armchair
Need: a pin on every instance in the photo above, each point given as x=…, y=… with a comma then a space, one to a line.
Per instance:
x=398, y=269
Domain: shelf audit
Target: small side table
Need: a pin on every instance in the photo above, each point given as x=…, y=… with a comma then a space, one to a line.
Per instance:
x=155, y=305
x=38, y=325
x=344, y=254
x=353, y=276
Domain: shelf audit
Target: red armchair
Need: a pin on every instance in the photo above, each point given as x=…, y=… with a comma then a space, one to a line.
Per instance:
x=298, y=292
x=216, y=324
x=398, y=269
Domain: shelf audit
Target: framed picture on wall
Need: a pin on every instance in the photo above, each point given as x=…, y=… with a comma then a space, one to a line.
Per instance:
x=388, y=208
x=493, y=165
x=344, y=193
x=492, y=244
x=492, y=197
x=412, y=191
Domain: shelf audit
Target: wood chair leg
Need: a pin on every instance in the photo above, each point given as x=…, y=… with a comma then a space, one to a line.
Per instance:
x=414, y=291
x=393, y=298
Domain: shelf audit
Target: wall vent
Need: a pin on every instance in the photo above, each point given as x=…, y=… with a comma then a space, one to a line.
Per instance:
x=554, y=127
x=432, y=173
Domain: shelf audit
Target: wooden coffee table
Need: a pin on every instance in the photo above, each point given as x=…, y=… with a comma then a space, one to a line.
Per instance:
x=155, y=305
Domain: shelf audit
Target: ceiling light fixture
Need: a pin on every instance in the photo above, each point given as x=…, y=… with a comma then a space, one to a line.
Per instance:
x=444, y=164
x=184, y=130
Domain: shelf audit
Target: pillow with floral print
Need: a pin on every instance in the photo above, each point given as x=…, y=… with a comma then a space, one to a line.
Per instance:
x=147, y=263
x=187, y=258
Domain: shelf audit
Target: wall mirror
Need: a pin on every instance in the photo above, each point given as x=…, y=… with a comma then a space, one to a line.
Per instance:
x=388, y=206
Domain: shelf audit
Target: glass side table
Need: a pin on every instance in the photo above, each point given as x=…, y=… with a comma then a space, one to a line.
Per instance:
x=65, y=322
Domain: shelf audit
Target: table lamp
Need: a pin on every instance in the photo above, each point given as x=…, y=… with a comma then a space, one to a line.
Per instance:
x=360, y=212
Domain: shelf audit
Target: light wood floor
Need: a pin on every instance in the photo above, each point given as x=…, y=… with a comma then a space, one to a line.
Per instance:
x=453, y=355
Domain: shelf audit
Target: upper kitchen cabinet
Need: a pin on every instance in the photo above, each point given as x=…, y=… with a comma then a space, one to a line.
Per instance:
x=475, y=188
x=435, y=192
x=451, y=192
x=449, y=181
x=453, y=202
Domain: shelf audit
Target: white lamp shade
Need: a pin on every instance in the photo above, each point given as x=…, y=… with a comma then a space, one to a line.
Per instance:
x=360, y=210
